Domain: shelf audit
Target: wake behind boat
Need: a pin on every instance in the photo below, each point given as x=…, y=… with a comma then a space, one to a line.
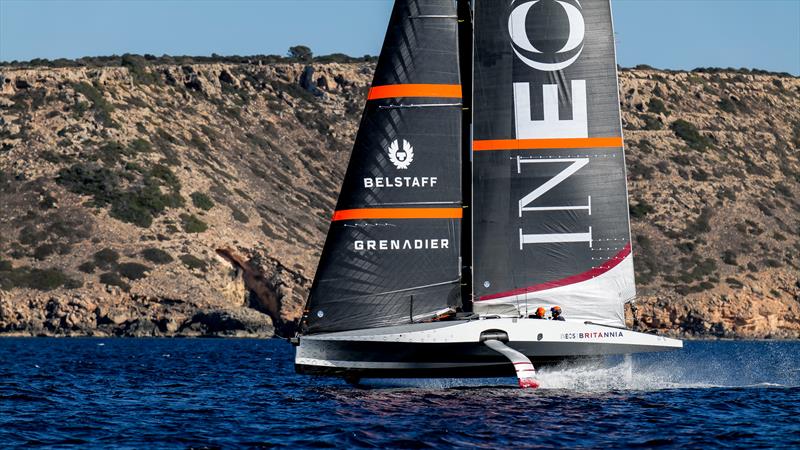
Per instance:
x=466, y=208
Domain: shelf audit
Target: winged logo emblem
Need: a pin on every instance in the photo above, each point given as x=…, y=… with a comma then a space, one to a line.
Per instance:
x=401, y=158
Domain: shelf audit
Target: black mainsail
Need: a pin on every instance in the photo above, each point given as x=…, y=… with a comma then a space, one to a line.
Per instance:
x=392, y=252
x=550, y=201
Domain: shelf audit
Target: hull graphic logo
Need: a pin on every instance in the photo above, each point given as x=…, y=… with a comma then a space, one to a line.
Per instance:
x=401, y=157
x=524, y=47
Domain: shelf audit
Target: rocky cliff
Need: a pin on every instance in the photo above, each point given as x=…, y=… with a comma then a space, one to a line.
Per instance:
x=163, y=200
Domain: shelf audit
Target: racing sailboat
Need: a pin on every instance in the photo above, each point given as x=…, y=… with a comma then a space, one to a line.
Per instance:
x=487, y=180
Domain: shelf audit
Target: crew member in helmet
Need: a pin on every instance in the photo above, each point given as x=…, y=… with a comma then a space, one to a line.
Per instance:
x=539, y=314
x=555, y=313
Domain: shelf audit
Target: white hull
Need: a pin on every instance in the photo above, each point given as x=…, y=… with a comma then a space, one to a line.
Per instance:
x=455, y=348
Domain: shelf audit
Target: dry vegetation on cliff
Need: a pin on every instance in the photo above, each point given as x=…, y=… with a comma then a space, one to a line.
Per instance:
x=138, y=200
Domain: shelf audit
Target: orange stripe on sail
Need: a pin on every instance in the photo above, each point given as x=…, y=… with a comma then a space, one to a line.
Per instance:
x=534, y=144
x=415, y=90
x=398, y=213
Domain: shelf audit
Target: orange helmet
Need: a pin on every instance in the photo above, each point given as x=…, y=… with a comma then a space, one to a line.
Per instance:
x=540, y=312
x=555, y=310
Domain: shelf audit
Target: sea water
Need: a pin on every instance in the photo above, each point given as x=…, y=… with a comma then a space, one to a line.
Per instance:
x=199, y=393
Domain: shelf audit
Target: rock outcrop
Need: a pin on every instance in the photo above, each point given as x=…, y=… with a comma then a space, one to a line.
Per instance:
x=193, y=199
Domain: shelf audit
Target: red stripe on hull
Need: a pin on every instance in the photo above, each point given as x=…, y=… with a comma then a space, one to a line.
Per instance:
x=589, y=274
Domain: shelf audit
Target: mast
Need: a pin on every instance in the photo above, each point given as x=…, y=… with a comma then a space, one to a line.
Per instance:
x=392, y=252
x=464, y=8
x=550, y=211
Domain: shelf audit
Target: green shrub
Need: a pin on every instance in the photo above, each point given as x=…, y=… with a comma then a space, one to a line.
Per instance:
x=686, y=247
x=43, y=251
x=130, y=208
x=638, y=170
x=106, y=258
x=652, y=123
x=47, y=202
x=765, y=207
x=29, y=235
x=102, y=108
x=200, y=144
x=640, y=209
x=53, y=157
x=242, y=194
x=166, y=175
x=87, y=267
x=138, y=205
x=79, y=109
x=141, y=205
x=239, y=215
x=133, y=271
x=39, y=279
x=690, y=134
x=5, y=265
x=657, y=106
x=785, y=190
x=300, y=53
x=111, y=152
x=139, y=145
x=727, y=105
x=729, y=257
x=202, y=201
x=192, y=262
x=156, y=256
x=137, y=67
x=192, y=224
x=700, y=175
x=702, y=224
x=113, y=279
x=98, y=182
x=734, y=283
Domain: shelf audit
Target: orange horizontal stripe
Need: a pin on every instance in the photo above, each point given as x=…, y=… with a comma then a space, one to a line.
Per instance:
x=415, y=90
x=398, y=213
x=533, y=144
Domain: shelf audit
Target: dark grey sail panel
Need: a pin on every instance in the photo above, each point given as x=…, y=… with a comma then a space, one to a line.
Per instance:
x=550, y=201
x=392, y=252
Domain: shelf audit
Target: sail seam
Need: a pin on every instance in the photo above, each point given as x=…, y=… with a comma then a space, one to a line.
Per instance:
x=534, y=144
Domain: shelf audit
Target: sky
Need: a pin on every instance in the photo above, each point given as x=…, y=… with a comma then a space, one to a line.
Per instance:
x=670, y=34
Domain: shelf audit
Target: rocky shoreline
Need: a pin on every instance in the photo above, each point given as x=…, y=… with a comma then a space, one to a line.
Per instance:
x=193, y=199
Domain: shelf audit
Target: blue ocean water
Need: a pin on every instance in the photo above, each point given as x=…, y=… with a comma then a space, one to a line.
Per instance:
x=197, y=393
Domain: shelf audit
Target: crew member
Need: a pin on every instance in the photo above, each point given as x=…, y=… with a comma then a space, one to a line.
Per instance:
x=555, y=313
x=539, y=314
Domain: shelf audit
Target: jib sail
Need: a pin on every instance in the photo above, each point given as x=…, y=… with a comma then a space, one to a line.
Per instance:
x=550, y=202
x=392, y=251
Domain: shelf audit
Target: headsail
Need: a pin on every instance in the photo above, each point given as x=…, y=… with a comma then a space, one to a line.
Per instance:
x=550, y=201
x=392, y=252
